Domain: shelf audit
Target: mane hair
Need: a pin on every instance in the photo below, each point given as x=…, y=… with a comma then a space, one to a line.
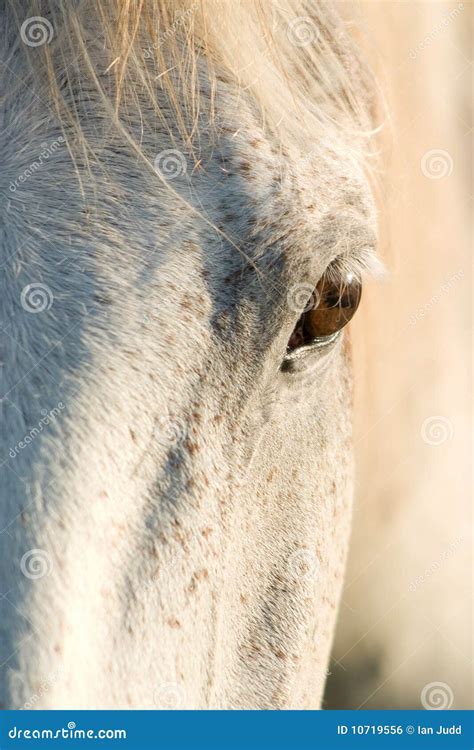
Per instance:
x=119, y=62
x=130, y=49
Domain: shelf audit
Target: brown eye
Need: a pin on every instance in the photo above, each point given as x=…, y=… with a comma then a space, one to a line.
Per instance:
x=332, y=305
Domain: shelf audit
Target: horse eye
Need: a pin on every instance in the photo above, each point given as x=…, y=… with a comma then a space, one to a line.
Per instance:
x=332, y=305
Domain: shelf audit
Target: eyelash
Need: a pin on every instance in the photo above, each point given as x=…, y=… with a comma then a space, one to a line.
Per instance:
x=361, y=265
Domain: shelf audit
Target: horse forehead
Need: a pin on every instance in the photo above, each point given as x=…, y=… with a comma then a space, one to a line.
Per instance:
x=247, y=177
x=284, y=186
x=320, y=162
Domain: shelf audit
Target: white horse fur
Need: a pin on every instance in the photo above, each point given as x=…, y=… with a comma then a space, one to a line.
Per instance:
x=175, y=533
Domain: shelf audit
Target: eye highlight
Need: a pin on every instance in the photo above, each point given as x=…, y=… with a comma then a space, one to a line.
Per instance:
x=332, y=305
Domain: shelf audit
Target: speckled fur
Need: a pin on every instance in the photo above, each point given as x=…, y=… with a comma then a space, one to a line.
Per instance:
x=186, y=469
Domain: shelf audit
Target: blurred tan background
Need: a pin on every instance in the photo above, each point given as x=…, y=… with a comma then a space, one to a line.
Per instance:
x=405, y=624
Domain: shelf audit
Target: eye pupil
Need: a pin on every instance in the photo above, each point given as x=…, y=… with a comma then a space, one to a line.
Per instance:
x=335, y=303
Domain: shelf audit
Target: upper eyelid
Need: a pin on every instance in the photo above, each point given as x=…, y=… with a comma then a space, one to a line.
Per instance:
x=353, y=246
x=362, y=263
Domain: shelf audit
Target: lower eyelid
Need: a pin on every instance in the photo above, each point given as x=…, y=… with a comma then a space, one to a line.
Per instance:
x=298, y=356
